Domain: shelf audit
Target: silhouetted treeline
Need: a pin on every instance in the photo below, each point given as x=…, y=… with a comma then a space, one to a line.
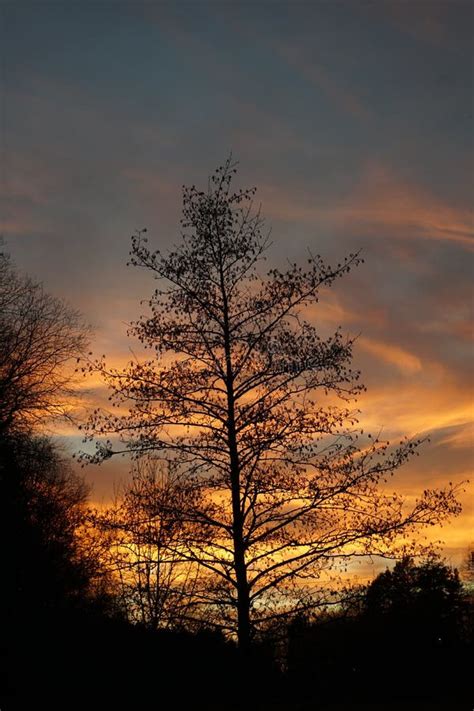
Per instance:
x=63, y=638
x=407, y=638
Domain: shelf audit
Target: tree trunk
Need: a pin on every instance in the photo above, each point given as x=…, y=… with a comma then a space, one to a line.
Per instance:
x=243, y=597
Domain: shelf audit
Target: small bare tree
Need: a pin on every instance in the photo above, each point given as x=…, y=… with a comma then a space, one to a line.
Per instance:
x=143, y=534
x=251, y=404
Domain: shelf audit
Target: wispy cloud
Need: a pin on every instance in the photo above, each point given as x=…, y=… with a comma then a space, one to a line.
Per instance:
x=379, y=200
x=417, y=407
x=406, y=362
x=320, y=77
x=382, y=199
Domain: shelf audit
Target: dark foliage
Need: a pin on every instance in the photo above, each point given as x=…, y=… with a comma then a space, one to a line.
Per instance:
x=64, y=642
x=409, y=640
x=47, y=581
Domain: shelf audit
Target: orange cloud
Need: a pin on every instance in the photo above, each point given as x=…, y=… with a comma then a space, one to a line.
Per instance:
x=462, y=436
x=406, y=362
x=18, y=226
x=421, y=407
x=379, y=200
x=382, y=199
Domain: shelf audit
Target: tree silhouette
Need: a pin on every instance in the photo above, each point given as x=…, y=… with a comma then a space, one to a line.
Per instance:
x=50, y=577
x=52, y=584
x=424, y=603
x=142, y=534
x=43, y=502
x=411, y=626
x=467, y=566
x=39, y=335
x=252, y=407
x=43, y=507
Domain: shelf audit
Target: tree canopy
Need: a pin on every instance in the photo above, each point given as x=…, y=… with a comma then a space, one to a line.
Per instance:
x=39, y=337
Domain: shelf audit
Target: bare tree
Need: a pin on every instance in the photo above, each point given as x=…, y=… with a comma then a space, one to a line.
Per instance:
x=143, y=534
x=252, y=405
x=39, y=336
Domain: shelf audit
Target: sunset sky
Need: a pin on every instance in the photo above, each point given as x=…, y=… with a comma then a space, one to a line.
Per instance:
x=354, y=121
